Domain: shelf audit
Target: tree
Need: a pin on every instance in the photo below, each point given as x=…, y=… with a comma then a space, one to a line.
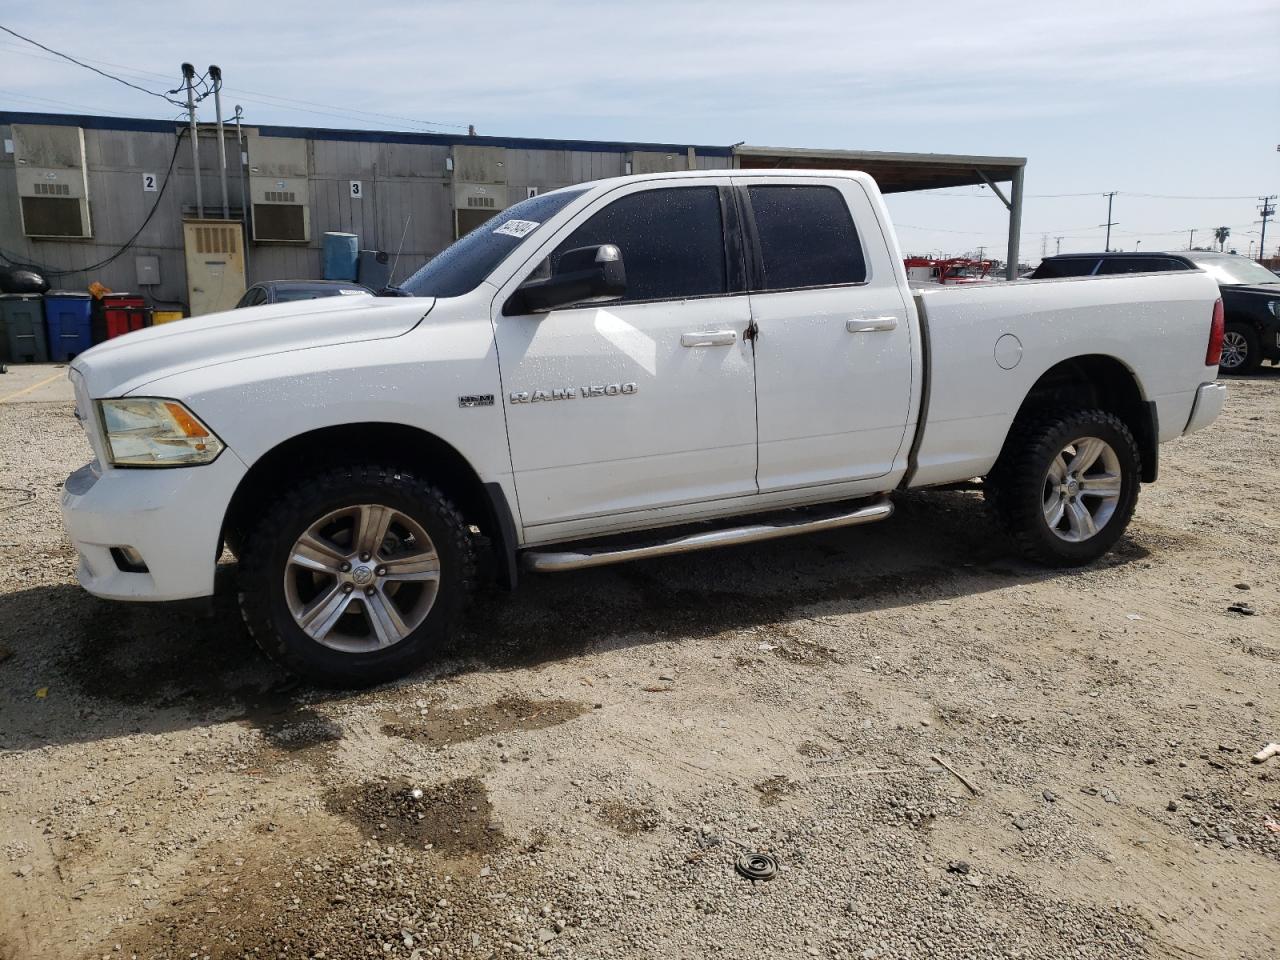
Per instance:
x=1220, y=234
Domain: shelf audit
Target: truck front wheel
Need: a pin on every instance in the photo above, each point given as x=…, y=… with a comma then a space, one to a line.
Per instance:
x=1066, y=486
x=356, y=575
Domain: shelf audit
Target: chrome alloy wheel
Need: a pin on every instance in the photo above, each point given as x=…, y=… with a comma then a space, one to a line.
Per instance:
x=362, y=578
x=1082, y=489
x=1235, y=350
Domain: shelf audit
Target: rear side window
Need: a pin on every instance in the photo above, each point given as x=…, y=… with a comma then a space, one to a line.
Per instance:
x=1065, y=267
x=1138, y=265
x=807, y=237
x=672, y=242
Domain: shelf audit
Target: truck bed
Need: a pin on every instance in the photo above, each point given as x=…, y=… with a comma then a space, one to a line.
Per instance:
x=1156, y=324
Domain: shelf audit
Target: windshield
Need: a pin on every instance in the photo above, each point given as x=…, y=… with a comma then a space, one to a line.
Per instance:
x=460, y=268
x=1234, y=270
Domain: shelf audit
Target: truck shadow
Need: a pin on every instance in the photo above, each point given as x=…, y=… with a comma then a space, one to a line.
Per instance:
x=112, y=669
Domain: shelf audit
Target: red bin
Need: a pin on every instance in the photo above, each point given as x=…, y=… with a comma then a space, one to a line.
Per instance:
x=122, y=313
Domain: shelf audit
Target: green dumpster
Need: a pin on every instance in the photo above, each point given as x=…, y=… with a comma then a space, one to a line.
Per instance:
x=22, y=328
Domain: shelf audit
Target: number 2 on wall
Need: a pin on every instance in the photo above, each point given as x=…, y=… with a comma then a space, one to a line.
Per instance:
x=149, y=182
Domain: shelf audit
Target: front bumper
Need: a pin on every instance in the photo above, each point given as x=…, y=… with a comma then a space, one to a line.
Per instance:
x=172, y=517
x=1208, y=404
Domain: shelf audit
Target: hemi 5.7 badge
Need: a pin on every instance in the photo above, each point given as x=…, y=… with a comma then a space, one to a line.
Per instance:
x=571, y=393
x=476, y=400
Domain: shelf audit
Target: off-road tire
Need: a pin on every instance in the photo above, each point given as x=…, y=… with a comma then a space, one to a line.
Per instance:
x=1016, y=486
x=1252, y=349
x=267, y=546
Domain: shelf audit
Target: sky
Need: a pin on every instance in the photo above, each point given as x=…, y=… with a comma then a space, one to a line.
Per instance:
x=1174, y=104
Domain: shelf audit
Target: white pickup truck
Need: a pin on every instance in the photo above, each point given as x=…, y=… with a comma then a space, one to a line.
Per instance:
x=614, y=370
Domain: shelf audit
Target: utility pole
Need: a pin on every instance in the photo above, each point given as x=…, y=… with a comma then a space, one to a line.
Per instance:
x=188, y=74
x=1268, y=211
x=215, y=74
x=1191, y=239
x=1110, y=223
x=1044, y=245
x=1058, y=241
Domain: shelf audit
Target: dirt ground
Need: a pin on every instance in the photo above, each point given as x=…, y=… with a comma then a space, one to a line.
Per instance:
x=579, y=780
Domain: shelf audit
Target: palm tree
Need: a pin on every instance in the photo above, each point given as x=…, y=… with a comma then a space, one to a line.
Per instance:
x=1220, y=234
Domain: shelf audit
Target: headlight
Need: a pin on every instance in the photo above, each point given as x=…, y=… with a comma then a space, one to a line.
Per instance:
x=147, y=432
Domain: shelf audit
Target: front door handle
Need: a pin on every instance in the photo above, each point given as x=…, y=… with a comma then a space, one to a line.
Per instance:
x=708, y=338
x=871, y=324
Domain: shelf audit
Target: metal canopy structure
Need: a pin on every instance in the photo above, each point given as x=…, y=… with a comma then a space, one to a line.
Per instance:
x=905, y=172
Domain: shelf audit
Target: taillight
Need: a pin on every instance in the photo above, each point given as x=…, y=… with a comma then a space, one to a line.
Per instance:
x=1213, y=355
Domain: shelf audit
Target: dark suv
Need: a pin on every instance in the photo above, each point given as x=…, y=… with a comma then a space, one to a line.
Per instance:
x=1250, y=294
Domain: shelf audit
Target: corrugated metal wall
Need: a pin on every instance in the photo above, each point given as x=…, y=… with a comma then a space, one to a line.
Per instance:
x=407, y=191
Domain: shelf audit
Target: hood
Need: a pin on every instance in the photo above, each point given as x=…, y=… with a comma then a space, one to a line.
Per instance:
x=127, y=363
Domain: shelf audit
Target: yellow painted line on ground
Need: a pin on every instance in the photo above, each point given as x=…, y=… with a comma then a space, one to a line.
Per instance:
x=34, y=386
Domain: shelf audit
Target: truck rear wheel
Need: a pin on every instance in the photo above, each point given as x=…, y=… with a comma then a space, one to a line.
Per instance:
x=1065, y=486
x=356, y=576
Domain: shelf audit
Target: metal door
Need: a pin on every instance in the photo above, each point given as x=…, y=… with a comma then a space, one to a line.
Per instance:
x=215, y=265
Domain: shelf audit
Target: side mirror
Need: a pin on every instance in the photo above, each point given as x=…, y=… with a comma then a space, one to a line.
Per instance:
x=583, y=275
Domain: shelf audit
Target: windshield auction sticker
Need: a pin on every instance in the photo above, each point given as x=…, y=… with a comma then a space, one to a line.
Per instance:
x=517, y=228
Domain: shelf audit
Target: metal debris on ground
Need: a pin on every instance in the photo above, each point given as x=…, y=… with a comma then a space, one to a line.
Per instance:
x=757, y=866
x=1241, y=608
x=1267, y=752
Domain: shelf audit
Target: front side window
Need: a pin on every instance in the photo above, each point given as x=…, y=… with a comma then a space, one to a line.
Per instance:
x=671, y=238
x=806, y=236
x=461, y=267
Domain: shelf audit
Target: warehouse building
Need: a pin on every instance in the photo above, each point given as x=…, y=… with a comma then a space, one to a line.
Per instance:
x=115, y=200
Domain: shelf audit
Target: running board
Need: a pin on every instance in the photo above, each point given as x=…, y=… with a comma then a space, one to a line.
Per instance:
x=552, y=561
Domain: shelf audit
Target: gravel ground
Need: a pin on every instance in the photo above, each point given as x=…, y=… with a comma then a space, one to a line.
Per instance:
x=580, y=780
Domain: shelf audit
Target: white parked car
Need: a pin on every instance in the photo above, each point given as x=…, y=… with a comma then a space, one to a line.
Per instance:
x=628, y=357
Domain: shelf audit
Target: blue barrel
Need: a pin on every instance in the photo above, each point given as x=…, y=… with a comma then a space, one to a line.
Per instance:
x=68, y=317
x=341, y=256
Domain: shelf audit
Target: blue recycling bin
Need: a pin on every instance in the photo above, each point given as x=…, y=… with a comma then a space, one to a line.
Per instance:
x=341, y=256
x=68, y=318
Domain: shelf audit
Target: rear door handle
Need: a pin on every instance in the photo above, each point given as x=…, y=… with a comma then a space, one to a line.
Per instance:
x=871, y=324
x=708, y=338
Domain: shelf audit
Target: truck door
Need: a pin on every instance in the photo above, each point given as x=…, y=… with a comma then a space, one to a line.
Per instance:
x=644, y=402
x=833, y=350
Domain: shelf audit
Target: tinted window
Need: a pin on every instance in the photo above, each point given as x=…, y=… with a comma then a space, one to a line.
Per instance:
x=287, y=294
x=1064, y=267
x=671, y=239
x=807, y=237
x=460, y=268
x=1138, y=265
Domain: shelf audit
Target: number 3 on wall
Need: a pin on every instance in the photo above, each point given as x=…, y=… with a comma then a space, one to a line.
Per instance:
x=357, y=190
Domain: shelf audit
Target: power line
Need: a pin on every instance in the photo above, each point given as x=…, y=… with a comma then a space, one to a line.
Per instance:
x=1094, y=193
x=266, y=99
x=80, y=63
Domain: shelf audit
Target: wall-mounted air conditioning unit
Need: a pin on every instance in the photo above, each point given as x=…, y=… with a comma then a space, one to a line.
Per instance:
x=53, y=185
x=278, y=189
x=479, y=186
